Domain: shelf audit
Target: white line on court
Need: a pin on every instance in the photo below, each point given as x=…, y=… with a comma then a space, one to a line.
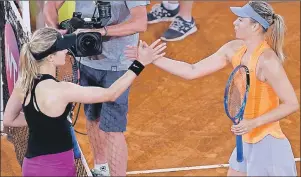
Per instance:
x=184, y=168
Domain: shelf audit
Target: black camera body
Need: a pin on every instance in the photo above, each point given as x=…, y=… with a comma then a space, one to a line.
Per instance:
x=88, y=43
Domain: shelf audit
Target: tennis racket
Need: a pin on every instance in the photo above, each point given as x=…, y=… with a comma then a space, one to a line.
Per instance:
x=69, y=72
x=235, y=98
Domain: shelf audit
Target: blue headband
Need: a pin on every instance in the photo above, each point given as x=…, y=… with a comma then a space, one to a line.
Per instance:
x=248, y=12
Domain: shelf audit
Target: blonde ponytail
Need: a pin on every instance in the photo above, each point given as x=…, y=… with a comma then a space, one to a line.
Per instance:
x=28, y=67
x=277, y=36
x=277, y=27
x=41, y=40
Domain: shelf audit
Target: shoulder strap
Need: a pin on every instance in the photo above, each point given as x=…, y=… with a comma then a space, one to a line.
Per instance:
x=252, y=67
x=237, y=56
x=25, y=97
x=255, y=56
x=35, y=83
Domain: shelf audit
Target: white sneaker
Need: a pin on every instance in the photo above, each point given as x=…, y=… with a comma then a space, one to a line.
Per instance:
x=104, y=171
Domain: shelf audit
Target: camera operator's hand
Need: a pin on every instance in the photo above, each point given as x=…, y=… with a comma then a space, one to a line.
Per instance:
x=144, y=53
x=81, y=31
x=100, y=30
x=62, y=31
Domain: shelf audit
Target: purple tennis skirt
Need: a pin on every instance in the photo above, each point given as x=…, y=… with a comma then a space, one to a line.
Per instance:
x=60, y=164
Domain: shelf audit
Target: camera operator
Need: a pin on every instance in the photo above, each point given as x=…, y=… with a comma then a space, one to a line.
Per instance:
x=107, y=121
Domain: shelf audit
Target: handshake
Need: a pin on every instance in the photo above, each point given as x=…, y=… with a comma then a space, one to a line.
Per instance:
x=145, y=53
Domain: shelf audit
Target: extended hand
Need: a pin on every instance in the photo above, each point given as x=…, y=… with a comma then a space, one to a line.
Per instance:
x=145, y=52
x=131, y=52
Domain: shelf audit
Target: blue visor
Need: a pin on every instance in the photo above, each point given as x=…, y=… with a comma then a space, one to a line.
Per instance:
x=248, y=12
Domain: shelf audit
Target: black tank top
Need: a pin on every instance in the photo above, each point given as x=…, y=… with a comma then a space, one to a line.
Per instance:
x=47, y=135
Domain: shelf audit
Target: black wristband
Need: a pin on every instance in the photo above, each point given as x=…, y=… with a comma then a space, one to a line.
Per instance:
x=136, y=67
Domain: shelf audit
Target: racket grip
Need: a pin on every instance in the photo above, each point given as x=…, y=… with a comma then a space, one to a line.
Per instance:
x=239, y=148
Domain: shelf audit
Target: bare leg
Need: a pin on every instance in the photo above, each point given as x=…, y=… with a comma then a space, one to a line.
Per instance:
x=185, y=10
x=183, y=25
x=117, y=153
x=232, y=172
x=96, y=138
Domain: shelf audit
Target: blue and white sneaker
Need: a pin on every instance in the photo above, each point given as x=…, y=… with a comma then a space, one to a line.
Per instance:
x=159, y=14
x=103, y=171
x=179, y=29
x=96, y=172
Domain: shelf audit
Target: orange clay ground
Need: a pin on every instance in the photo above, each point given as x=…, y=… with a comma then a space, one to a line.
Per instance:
x=177, y=123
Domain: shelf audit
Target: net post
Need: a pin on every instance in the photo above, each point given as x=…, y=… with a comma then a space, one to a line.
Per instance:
x=18, y=136
x=1, y=102
x=2, y=24
x=26, y=14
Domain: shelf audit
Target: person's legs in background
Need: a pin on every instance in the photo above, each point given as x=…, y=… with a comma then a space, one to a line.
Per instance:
x=179, y=13
x=113, y=123
x=90, y=77
x=106, y=123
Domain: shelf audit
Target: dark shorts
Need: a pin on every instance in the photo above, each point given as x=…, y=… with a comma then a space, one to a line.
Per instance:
x=113, y=114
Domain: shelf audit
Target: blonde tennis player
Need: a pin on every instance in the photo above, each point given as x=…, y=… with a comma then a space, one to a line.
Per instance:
x=46, y=102
x=267, y=151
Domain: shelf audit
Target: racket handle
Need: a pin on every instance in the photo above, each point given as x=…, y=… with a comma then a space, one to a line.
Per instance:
x=239, y=148
x=76, y=151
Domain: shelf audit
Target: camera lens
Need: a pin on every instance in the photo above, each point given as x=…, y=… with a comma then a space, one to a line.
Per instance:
x=89, y=43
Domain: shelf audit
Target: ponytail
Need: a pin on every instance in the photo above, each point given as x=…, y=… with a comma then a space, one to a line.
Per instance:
x=41, y=40
x=277, y=27
x=28, y=68
x=277, y=36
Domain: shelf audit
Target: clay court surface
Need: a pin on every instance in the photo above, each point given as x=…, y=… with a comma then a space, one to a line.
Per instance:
x=177, y=123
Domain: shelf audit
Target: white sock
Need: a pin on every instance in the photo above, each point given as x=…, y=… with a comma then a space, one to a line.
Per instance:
x=103, y=168
x=188, y=19
x=170, y=6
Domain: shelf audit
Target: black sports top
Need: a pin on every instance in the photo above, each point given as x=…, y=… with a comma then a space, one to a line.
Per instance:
x=47, y=135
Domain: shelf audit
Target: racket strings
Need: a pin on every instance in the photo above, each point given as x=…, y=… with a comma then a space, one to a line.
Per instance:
x=237, y=90
x=68, y=71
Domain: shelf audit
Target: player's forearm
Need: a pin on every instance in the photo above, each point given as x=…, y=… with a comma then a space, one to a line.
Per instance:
x=119, y=86
x=51, y=16
x=178, y=68
x=19, y=121
x=126, y=28
x=282, y=111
